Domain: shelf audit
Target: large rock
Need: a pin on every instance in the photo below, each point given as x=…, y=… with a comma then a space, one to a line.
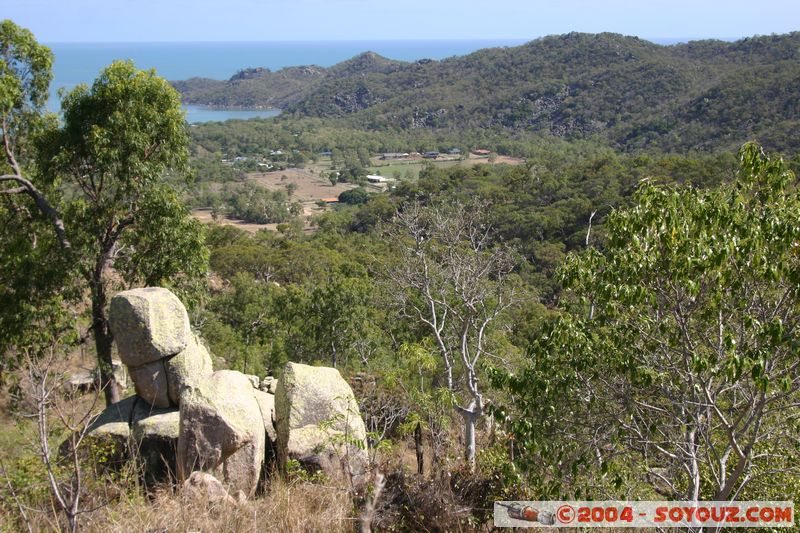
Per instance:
x=150, y=382
x=268, y=384
x=148, y=324
x=222, y=430
x=318, y=423
x=84, y=380
x=187, y=369
x=202, y=487
x=266, y=403
x=154, y=440
x=106, y=445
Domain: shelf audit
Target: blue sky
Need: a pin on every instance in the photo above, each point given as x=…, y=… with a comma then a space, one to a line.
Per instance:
x=271, y=20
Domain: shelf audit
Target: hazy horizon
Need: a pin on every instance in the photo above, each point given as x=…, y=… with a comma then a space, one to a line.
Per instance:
x=124, y=21
x=656, y=40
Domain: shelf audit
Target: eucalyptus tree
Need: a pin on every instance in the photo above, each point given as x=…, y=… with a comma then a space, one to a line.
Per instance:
x=33, y=271
x=25, y=74
x=121, y=139
x=456, y=282
x=103, y=179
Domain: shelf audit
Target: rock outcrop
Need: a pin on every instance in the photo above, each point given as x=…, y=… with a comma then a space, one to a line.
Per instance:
x=203, y=487
x=154, y=339
x=150, y=383
x=148, y=324
x=218, y=432
x=107, y=440
x=268, y=384
x=319, y=424
x=222, y=430
x=154, y=441
x=187, y=369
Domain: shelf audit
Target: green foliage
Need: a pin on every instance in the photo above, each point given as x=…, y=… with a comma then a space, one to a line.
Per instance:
x=101, y=177
x=258, y=205
x=506, y=482
x=356, y=196
x=124, y=134
x=128, y=126
x=168, y=248
x=296, y=472
x=24, y=83
x=34, y=281
x=306, y=302
x=680, y=327
x=627, y=91
x=211, y=169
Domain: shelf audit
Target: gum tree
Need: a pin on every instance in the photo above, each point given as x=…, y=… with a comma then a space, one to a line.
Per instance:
x=455, y=281
x=102, y=180
x=120, y=140
x=33, y=240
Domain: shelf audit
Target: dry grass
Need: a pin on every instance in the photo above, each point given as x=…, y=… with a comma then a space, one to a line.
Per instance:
x=310, y=187
x=295, y=506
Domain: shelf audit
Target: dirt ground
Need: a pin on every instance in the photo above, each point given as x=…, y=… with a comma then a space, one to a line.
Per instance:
x=310, y=187
x=203, y=214
x=500, y=159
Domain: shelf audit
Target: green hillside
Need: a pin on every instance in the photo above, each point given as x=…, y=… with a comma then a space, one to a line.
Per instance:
x=624, y=90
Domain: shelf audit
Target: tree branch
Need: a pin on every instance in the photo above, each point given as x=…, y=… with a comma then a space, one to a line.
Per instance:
x=41, y=202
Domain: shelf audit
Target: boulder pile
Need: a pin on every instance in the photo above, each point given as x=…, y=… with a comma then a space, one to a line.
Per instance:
x=186, y=419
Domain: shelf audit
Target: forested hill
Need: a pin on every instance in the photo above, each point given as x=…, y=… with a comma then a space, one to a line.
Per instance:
x=261, y=87
x=633, y=93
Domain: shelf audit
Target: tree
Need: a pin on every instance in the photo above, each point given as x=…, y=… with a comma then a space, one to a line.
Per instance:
x=683, y=353
x=34, y=273
x=99, y=179
x=24, y=82
x=455, y=281
x=356, y=196
x=46, y=386
x=339, y=318
x=119, y=141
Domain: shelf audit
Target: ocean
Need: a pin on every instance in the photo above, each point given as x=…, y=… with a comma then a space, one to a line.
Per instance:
x=77, y=63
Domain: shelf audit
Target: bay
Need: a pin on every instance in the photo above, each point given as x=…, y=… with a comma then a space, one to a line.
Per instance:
x=77, y=63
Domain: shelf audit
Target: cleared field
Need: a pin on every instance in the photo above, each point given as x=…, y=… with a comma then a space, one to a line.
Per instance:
x=203, y=214
x=310, y=187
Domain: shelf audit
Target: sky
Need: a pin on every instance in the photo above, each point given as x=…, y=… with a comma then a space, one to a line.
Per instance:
x=54, y=21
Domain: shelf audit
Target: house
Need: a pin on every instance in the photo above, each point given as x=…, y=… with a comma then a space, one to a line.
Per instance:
x=330, y=201
x=481, y=151
x=326, y=153
x=378, y=179
x=394, y=155
x=430, y=155
x=454, y=151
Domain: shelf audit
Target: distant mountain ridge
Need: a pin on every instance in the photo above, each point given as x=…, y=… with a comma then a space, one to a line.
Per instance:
x=633, y=93
x=261, y=87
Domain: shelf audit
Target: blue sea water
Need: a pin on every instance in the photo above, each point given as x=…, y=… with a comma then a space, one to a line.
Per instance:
x=77, y=63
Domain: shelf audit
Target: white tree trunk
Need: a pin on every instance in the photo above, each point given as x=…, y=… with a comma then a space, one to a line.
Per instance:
x=471, y=416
